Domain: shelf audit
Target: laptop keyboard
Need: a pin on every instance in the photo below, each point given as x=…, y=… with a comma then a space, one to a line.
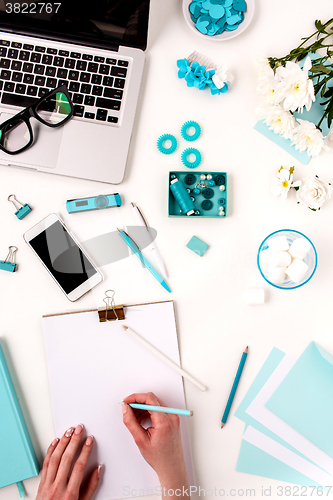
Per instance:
x=96, y=84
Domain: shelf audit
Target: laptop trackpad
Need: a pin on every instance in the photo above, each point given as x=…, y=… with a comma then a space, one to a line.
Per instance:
x=43, y=152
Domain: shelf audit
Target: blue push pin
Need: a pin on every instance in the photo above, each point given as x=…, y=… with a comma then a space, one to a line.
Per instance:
x=8, y=264
x=22, y=210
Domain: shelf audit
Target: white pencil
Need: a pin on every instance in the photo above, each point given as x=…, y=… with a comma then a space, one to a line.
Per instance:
x=164, y=358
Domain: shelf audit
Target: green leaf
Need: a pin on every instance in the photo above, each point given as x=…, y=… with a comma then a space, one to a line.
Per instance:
x=296, y=189
x=302, y=56
x=320, y=27
x=329, y=111
x=316, y=46
x=328, y=93
x=313, y=209
x=320, y=68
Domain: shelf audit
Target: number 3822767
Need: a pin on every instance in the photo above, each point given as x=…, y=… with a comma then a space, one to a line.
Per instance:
x=32, y=8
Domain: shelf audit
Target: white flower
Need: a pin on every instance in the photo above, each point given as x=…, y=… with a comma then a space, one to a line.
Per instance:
x=313, y=192
x=222, y=76
x=295, y=89
x=308, y=137
x=268, y=83
x=280, y=121
x=261, y=63
x=283, y=182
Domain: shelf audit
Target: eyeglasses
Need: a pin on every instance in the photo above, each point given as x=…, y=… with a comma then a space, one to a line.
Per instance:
x=54, y=109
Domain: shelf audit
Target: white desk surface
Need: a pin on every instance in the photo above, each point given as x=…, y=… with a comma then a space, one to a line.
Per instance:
x=214, y=324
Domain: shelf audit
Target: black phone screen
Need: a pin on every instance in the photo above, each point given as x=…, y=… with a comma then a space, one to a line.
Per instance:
x=63, y=258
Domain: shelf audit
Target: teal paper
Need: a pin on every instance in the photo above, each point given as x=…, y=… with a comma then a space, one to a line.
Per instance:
x=305, y=397
x=17, y=457
x=270, y=365
x=251, y=459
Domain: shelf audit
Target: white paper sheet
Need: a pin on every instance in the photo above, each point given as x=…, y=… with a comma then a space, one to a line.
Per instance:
x=258, y=411
x=286, y=456
x=93, y=366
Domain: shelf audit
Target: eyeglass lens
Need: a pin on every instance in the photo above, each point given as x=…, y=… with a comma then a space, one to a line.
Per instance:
x=15, y=135
x=54, y=109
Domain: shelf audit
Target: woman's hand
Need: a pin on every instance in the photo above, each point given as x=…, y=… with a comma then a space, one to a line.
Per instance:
x=160, y=444
x=57, y=483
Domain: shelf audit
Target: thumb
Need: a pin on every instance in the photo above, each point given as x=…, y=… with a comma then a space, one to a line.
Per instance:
x=138, y=432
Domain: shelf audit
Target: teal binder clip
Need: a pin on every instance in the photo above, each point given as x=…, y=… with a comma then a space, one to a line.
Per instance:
x=21, y=210
x=8, y=264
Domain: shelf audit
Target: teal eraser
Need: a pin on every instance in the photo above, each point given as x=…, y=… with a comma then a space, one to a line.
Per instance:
x=197, y=246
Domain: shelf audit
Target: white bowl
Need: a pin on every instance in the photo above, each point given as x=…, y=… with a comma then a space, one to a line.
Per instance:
x=226, y=35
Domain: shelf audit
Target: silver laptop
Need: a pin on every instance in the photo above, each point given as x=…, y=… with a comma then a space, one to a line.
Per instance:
x=96, y=48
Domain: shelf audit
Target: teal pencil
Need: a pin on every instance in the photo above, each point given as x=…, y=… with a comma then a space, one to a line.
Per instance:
x=161, y=409
x=234, y=387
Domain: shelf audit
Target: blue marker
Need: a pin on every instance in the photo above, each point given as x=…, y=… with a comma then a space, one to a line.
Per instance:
x=135, y=249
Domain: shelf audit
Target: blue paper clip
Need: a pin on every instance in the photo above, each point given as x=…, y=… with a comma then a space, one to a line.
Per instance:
x=22, y=210
x=8, y=264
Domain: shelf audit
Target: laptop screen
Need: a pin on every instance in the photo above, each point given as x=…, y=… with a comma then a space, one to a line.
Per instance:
x=98, y=23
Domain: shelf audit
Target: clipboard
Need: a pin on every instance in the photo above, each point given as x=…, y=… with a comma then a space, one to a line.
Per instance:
x=93, y=365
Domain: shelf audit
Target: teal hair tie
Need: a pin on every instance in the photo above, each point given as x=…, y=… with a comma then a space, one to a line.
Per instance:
x=186, y=126
x=191, y=164
x=163, y=149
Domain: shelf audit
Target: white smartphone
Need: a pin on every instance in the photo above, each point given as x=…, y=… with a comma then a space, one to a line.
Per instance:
x=63, y=257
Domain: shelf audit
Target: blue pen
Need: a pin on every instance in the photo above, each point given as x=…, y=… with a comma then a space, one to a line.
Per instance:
x=135, y=249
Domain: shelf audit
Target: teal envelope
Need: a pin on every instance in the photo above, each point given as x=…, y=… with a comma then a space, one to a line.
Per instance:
x=251, y=459
x=285, y=144
x=305, y=397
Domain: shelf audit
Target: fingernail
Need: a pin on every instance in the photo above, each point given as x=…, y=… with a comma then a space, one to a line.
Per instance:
x=69, y=432
x=54, y=442
x=99, y=471
x=124, y=408
x=89, y=440
x=79, y=429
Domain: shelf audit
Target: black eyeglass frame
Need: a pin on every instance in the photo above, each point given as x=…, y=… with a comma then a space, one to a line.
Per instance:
x=30, y=112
